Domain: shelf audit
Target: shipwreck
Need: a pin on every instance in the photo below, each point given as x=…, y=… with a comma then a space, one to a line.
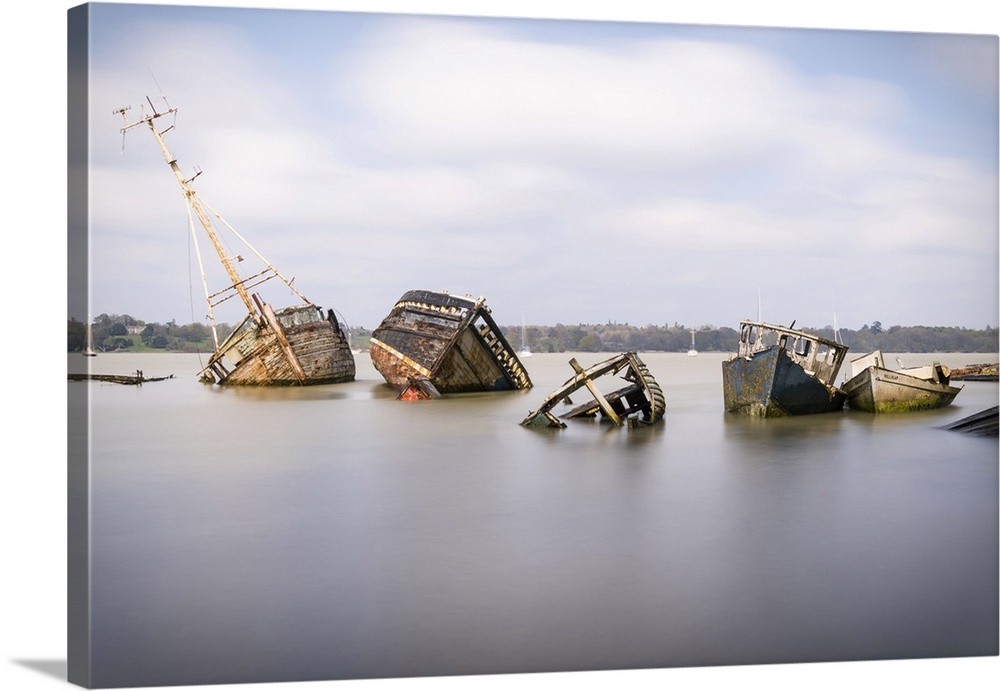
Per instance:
x=639, y=402
x=779, y=371
x=874, y=388
x=985, y=423
x=291, y=346
x=981, y=372
x=435, y=343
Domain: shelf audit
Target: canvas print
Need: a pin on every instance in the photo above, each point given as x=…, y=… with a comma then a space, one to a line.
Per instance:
x=409, y=345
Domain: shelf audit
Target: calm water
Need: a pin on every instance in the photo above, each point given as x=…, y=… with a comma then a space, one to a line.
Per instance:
x=334, y=532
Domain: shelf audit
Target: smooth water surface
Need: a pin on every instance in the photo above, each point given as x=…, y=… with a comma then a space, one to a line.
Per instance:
x=334, y=532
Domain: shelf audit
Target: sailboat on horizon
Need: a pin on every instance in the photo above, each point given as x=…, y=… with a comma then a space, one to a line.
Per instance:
x=88, y=343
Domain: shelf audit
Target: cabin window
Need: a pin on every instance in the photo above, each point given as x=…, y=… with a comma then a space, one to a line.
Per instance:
x=802, y=346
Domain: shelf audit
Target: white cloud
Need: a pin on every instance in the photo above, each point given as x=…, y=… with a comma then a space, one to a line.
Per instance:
x=460, y=142
x=440, y=90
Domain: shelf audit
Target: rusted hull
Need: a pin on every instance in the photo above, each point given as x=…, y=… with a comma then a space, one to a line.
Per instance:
x=770, y=384
x=641, y=401
x=987, y=372
x=284, y=352
x=450, y=341
x=879, y=390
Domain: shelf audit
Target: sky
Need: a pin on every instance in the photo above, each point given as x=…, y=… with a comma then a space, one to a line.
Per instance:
x=569, y=171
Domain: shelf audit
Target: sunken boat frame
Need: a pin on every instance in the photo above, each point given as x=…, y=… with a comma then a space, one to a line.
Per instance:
x=639, y=403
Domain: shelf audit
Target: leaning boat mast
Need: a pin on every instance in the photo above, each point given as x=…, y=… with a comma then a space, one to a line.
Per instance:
x=191, y=196
x=290, y=346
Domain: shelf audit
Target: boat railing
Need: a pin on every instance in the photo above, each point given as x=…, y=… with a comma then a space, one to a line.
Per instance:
x=298, y=315
x=820, y=357
x=504, y=355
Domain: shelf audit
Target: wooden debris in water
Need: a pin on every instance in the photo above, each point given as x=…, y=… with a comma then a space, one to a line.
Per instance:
x=128, y=379
x=985, y=423
x=640, y=402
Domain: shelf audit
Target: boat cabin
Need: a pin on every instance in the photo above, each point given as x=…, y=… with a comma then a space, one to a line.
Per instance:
x=819, y=357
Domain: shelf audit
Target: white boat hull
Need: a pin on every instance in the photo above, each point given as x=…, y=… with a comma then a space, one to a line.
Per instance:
x=879, y=390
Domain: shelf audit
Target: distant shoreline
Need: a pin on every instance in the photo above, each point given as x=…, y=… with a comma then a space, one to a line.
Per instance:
x=122, y=333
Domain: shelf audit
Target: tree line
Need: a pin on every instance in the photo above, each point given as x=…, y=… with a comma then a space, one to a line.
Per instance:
x=125, y=333
x=613, y=337
x=113, y=332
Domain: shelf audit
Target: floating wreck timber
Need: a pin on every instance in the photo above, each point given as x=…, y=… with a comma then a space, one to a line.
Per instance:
x=779, y=371
x=983, y=372
x=640, y=402
x=127, y=379
x=435, y=343
x=874, y=388
x=985, y=423
x=294, y=346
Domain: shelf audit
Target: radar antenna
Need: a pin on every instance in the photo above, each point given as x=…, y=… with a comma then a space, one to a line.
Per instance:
x=121, y=111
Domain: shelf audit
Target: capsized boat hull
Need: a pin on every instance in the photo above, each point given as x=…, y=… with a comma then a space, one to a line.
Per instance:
x=771, y=384
x=450, y=341
x=985, y=423
x=293, y=348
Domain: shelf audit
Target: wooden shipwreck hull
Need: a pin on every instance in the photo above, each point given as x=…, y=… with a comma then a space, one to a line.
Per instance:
x=874, y=388
x=641, y=401
x=779, y=371
x=450, y=342
x=294, y=346
x=290, y=347
x=983, y=372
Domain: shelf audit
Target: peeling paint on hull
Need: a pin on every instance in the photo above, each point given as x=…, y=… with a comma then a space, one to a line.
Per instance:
x=986, y=372
x=779, y=371
x=450, y=341
x=291, y=351
x=876, y=389
x=771, y=385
